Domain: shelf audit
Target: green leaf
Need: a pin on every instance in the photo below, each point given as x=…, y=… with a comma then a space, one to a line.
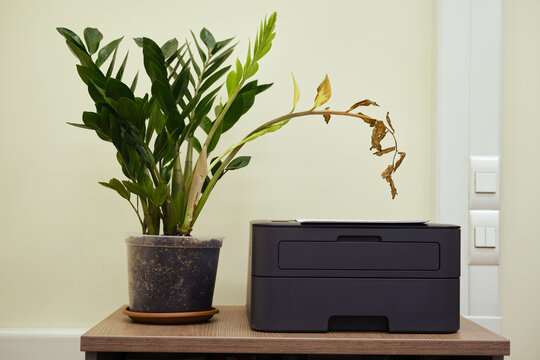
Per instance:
x=127, y=109
x=120, y=72
x=197, y=145
x=160, y=194
x=242, y=103
x=116, y=89
x=206, y=124
x=107, y=50
x=193, y=61
x=82, y=126
x=296, y=94
x=169, y=48
x=92, y=74
x=116, y=185
x=231, y=83
x=215, y=139
x=212, y=79
x=92, y=37
x=160, y=145
x=111, y=65
x=239, y=69
x=156, y=122
x=221, y=44
x=138, y=41
x=208, y=39
x=146, y=184
x=217, y=62
x=199, y=49
x=134, y=82
x=238, y=163
x=70, y=36
x=181, y=83
x=81, y=54
x=134, y=188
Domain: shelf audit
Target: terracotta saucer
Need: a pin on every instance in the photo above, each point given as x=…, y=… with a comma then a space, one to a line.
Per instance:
x=170, y=318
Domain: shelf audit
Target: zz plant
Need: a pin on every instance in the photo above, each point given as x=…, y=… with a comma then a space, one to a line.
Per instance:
x=157, y=136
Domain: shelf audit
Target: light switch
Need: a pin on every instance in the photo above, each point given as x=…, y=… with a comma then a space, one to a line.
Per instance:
x=491, y=237
x=486, y=182
x=479, y=236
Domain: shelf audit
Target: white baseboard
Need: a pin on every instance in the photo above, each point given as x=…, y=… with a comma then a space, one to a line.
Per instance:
x=41, y=344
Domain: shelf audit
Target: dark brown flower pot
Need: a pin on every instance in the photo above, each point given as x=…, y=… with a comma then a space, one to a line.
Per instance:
x=172, y=274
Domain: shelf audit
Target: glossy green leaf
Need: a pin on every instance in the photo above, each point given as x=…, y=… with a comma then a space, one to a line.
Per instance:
x=197, y=145
x=199, y=48
x=238, y=163
x=81, y=54
x=107, y=50
x=70, y=36
x=169, y=48
x=82, y=126
x=116, y=89
x=221, y=44
x=121, y=69
x=116, y=185
x=212, y=79
x=231, y=83
x=146, y=183
x=206, y=124
x=134, y=82
x=160, y=145
x=208, y=39
x=92, y=37
x=134, y=188
x=92, y=74
x=160, y=194
x=127, y=109
x=181, y=83
x=193, y=61
x=217, y=62
x=111, y=65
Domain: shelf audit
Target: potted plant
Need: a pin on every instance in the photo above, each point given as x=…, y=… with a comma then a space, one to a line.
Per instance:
x=164, y=141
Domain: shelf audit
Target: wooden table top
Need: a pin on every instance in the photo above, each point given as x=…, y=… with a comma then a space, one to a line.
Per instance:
x=229, y=332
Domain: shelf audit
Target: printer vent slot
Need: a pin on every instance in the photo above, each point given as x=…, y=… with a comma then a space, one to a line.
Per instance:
x=358, y=323
x=363, y=238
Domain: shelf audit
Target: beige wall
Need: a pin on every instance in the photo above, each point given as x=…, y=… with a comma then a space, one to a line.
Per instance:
x=62, y=256
x=520, y=202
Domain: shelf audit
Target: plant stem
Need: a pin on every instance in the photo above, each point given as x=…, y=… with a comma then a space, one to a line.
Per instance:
x=232, y=151
x=137, y=212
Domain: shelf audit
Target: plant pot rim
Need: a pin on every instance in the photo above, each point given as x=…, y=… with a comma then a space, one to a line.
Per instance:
x=175, y=241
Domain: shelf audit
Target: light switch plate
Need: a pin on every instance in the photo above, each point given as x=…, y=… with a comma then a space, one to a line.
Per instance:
x=489, y=237
x=484, y=183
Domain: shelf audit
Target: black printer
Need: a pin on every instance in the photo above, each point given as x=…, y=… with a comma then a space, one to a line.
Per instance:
x=316, y=276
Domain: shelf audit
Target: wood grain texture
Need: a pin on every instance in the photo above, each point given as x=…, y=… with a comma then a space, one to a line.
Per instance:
x=229, y=332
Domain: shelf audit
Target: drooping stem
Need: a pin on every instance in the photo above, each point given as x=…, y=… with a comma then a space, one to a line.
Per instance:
x=233, y=150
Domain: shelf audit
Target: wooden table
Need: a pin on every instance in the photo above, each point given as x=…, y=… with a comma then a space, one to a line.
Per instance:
x=117, y=337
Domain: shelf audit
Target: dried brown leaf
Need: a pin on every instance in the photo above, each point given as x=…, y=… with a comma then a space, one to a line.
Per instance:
x=387, y=172
x=378, y=133
x=387, y=175
x=365, y=102
x=400, y=160
x=389, y=122
x=371, y=121
x=385, y=151
x=326, y=116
